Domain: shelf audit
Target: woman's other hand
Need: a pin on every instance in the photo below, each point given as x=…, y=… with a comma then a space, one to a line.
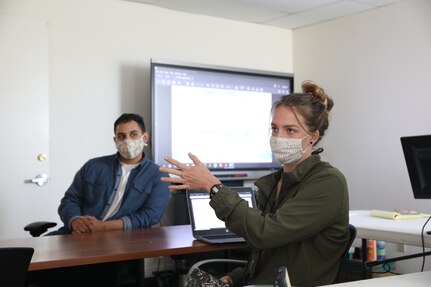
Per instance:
x=226, y=280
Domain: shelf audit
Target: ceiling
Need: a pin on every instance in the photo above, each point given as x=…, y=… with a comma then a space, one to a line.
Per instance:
x=289, y=14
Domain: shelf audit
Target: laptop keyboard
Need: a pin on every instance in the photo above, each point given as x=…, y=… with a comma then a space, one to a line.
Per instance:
x=220, y=236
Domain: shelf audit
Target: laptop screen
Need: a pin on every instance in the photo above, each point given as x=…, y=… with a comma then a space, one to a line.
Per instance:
x=202, y=216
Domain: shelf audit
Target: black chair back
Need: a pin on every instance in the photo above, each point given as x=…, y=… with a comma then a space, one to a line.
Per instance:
x=352, y=236
x=14, y=263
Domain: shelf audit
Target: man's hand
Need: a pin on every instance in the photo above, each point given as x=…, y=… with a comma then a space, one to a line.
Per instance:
x=87, y=224
x=82, y=224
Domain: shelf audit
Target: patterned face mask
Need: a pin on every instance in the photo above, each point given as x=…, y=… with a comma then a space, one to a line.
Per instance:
x=287, y=150
x=130, y=149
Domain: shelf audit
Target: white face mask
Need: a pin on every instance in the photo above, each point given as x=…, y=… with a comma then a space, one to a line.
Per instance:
x=130, y=149
x=287, y=150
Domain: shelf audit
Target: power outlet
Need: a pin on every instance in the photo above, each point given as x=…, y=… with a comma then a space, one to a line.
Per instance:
x=158, y=264
x=401, y=248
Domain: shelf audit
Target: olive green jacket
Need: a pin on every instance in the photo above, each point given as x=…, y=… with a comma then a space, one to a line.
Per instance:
x=307, y=233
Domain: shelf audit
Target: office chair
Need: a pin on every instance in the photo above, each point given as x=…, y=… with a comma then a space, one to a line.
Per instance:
x=199, y=275
x=281, y=276
x=14, y=263
x=352, y=236
x=39, y=227
x=223, y=260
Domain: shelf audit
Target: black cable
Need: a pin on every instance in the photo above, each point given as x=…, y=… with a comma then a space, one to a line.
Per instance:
x=158, y=264
x=317, y=151
x=423, y=244
x=387, y=268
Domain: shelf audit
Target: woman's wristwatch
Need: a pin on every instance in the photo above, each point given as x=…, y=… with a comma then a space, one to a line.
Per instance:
x=214, y=189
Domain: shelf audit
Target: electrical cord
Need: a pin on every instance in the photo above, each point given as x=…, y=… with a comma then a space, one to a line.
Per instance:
x=386, y=267
x=423, y=244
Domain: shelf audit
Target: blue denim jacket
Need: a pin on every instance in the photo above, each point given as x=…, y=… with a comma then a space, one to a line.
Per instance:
x=95, y=184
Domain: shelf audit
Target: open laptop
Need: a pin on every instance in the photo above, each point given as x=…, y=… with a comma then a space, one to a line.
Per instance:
x=205, y=224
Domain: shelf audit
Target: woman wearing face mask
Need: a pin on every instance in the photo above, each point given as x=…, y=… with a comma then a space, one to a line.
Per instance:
x=303, y=208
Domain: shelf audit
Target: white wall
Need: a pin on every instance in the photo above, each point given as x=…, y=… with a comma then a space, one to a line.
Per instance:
x=100, y=53
x=376, y=66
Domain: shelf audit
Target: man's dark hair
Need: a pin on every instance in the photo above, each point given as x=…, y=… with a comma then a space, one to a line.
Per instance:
x=125, y=118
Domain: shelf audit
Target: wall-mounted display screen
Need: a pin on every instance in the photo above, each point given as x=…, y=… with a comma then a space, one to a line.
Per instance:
x=220, y=114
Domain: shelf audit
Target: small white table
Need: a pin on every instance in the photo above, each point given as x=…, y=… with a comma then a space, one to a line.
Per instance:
x=420, y=279
x=404, y=231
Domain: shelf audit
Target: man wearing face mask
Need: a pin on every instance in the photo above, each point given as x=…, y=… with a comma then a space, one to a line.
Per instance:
x=119, y=191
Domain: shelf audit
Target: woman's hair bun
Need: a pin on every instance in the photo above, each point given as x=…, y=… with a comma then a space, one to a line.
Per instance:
x=309, y=87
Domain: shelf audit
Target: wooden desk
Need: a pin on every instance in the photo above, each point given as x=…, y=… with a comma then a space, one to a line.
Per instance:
x=102, y=247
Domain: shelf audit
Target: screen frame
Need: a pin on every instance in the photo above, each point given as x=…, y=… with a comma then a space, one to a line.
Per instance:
x=237, y=173
x=247, y=193
x=409, y=144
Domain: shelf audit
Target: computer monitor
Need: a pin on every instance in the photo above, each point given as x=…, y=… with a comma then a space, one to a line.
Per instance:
x=221, y=114
x=417, y=153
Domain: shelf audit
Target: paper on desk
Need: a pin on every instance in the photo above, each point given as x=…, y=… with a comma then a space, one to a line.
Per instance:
x=396, y=215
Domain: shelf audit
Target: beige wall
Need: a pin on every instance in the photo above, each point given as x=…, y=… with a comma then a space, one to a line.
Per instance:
x=100, y=52
x=376, y=66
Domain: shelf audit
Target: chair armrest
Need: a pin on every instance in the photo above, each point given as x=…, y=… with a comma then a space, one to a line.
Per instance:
x=38, y=227
x=224, y=260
